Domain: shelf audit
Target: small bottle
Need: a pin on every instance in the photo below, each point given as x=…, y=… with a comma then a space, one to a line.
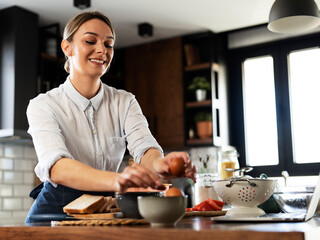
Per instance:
x=229, y=160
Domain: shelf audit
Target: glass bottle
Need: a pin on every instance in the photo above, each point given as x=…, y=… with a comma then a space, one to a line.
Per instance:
x=229, y=160
x=203, y=188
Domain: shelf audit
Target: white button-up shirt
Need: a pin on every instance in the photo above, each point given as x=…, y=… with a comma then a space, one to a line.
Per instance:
x=94, y=131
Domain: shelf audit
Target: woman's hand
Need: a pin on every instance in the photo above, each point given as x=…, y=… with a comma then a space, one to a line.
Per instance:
x=161, y=166
x=137, y=176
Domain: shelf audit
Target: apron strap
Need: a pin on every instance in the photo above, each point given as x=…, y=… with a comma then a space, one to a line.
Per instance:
x=35, y=192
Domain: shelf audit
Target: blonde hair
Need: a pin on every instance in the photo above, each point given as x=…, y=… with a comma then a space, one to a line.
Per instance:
x=75, y=23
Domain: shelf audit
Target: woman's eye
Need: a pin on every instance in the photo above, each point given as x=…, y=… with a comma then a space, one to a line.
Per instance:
x=90, y=42
x=108, y=46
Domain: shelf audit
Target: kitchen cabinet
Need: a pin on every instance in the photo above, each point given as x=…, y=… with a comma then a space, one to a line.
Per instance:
x=201, y=60
x=153, y=73
x=18, y=69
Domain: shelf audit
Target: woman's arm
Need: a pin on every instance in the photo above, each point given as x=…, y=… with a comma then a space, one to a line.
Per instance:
x=74, y=174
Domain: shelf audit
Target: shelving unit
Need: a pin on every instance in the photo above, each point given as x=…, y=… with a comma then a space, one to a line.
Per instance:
x=205, y=103
x=200, y=61
x=51, y=58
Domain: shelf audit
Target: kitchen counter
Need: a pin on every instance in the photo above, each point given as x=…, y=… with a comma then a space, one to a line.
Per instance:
x=188, y=228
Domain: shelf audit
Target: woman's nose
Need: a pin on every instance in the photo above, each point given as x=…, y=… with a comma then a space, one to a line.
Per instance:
x=101, y=48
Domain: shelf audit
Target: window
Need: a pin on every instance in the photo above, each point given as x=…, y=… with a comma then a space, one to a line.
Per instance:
x=304, y=82
x=273, y=107
x=260, y=111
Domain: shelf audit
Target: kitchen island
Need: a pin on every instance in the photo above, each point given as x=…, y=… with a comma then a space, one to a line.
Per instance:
x=188, y=228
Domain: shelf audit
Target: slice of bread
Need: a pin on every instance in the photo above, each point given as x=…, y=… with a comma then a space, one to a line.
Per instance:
x=107, y=201
x=84, y=204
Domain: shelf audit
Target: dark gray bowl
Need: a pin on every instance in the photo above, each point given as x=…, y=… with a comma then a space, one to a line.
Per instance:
x=128, y=203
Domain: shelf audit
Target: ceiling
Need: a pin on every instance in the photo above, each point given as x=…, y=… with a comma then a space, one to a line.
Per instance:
x=169, y=18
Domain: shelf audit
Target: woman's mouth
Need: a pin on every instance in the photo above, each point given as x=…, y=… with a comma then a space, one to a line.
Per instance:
x=97, y=61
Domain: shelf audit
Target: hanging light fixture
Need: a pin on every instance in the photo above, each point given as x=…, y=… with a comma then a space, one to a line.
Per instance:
x=145, y=30
x=82, y=4
x=291, y=16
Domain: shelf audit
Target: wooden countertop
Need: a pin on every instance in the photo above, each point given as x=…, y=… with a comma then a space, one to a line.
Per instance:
x=188, y=228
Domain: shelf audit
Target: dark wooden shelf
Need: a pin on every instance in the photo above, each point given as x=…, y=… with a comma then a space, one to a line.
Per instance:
x=205, y=103
x=200, y=141
x=198, y=66
x=201, y=66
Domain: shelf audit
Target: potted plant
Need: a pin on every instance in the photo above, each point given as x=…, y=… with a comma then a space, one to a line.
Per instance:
x=200, y=85
x=204, y=124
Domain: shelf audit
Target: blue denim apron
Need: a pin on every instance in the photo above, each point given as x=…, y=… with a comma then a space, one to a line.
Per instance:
x=51, y=200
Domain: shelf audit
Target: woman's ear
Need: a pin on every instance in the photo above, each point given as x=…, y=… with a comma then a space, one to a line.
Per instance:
x=66, y=48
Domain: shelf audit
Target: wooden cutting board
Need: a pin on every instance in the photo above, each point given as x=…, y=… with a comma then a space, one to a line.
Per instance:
x=99, y=215
x=101, y=222
x=204, y=213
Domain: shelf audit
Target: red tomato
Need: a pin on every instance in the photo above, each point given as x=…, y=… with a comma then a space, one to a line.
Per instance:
x=214, y=205
x=220, y=203
x=203, y=206
x=189, y=209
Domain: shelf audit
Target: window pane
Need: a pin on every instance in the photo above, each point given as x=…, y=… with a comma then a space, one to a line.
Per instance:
x=304, y=80
x=260, y=112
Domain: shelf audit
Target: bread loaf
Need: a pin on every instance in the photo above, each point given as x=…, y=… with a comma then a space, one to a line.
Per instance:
x=84, y=204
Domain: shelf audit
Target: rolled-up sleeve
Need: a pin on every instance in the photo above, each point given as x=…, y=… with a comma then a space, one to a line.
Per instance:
x=138, y=135
x=48, y=141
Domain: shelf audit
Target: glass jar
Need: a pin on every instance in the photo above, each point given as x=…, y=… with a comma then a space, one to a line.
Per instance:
x=203, y=188
x=229, y=160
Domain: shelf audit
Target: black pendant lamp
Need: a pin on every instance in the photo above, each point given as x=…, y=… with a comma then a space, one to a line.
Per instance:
x=292, y=16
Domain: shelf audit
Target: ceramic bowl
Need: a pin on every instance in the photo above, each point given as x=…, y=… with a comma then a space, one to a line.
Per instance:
x=162, y=211
x=128, y=204
x=244, y=195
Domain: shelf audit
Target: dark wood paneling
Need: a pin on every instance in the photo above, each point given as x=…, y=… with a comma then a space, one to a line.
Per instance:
x=154, y=75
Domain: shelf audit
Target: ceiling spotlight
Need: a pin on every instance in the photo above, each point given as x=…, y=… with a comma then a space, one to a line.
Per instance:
x=82, y=4
x=145, y=30
x=290, y=16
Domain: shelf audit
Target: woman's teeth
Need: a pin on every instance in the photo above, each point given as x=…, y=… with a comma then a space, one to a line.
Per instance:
x=97, y=61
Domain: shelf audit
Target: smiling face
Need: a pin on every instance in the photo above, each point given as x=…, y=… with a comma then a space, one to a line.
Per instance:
x=91, y=50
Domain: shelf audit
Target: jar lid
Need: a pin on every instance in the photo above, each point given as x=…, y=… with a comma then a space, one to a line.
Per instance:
x=230, y=153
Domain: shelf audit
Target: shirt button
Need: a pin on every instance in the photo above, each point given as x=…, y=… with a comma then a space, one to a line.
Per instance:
x=100, y=154
x=94, y=132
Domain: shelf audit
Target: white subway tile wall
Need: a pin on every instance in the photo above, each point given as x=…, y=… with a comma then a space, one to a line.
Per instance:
x=1, y=149
x=17, y=162
x=13, y=151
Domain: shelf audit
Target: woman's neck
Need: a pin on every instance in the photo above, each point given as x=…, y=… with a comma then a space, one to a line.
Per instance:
x=86, y=86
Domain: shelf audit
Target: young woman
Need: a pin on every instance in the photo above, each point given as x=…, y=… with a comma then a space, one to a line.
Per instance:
x=81, y=129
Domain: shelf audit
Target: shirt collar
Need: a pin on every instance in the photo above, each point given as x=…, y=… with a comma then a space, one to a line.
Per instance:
x=97, y=99
x=80, y=100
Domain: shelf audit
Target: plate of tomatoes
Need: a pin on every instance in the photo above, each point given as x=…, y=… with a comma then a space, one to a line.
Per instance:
x=209, y=207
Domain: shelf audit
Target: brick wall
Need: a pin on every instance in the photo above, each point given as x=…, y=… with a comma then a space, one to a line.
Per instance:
x=17, y=162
